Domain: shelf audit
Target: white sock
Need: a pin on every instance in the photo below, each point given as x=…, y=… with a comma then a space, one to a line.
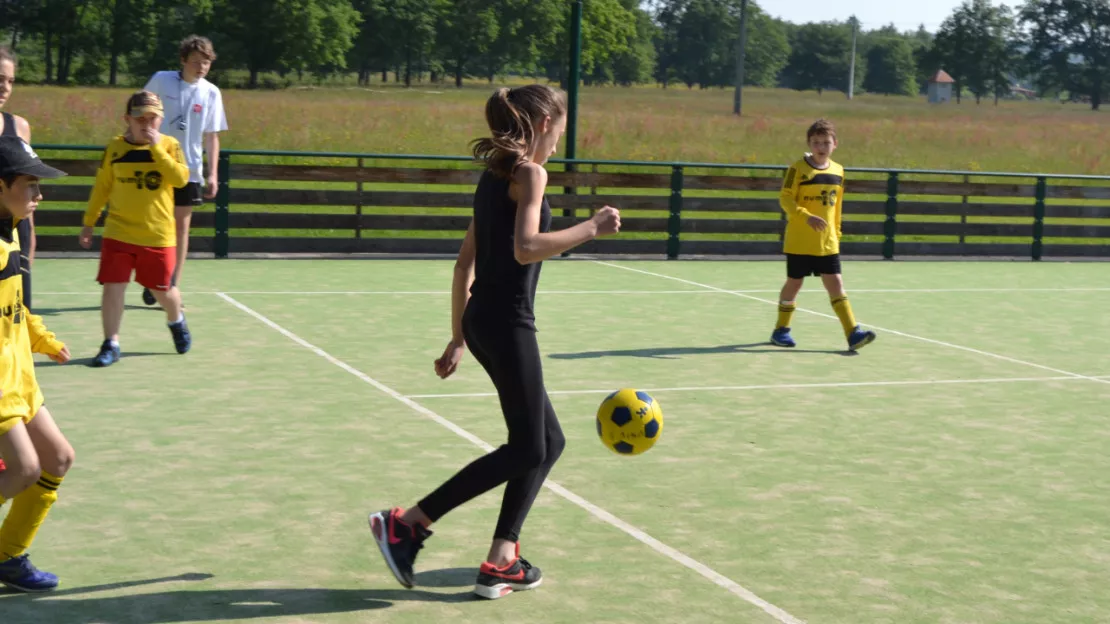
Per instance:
x=114, y=343
x=180, y=318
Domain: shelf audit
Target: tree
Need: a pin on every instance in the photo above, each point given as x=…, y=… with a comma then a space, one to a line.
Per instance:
x=1069, y=43
x=890, y=67
x=953, y=48
x=768, y=48
x=465, y=31
x=703, y=43
x=668, y=14
x=608, y=30
x=265, y=35
x=974, y=45
x=700, y=37
x=635, y=65
x=820, y=56
x=924, y=57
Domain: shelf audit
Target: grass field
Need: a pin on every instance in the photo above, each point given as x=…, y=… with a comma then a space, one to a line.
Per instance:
x=953, y=471
x=643, y=123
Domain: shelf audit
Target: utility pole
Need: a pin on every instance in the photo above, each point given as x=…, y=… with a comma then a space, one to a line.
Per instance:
x=852, y=70
x=575, y=76
x=572, y=96
x=737, y=100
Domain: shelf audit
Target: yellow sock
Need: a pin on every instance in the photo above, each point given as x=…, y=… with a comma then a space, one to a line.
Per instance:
x=786, y=313
x=843, y=311
x=27, y=514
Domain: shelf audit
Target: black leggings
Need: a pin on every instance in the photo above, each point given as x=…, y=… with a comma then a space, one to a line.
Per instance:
x=511, y=356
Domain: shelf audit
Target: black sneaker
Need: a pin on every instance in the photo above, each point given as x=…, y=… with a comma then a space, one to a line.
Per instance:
x=107, y=355
x=148, y=297
x=398, y=542
x=182, y=339
x=494, y=583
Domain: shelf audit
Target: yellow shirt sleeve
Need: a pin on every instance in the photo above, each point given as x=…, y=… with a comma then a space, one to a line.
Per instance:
x=42, y=340
x=171, y=161
x=788, y=197
x=102, y=189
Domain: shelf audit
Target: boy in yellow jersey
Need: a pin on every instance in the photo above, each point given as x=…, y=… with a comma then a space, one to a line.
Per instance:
x=36, y=453
x=137, y=177
x=813, y=199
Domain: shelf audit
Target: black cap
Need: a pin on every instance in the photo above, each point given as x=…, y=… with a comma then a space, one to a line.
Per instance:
x=17, y=157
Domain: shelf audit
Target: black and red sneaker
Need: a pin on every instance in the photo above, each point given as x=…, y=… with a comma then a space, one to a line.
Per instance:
x=494, y=582
x=398, y=542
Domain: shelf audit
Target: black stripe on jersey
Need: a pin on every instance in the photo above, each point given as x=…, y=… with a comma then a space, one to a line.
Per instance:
x=13, y=267
x=790, y=174
x=135, y=156
x=830, y=179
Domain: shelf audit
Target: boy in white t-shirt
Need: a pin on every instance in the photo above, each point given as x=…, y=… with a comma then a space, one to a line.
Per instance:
x=194, y=114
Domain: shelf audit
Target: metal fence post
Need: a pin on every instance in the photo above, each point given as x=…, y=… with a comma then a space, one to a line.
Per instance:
x=1038, y=217
x=674, y=224
x=891, y=225
x=223, y=207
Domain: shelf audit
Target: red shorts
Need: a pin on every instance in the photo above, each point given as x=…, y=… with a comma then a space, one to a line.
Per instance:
x=153, y=266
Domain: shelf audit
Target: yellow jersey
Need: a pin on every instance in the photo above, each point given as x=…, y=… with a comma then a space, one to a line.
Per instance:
x=137, y=183
x=21, y=333
x=811, y=192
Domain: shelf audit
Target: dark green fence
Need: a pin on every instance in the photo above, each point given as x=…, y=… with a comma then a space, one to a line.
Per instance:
x=322, y=202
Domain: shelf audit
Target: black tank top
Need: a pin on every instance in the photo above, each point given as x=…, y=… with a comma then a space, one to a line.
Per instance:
x=9, y=125
x=503, y=289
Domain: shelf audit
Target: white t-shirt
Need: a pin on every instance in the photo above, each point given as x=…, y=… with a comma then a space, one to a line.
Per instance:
x=198, y=106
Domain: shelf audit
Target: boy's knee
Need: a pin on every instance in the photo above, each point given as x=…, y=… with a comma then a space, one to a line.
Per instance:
x=61, y=461
x=26, y=474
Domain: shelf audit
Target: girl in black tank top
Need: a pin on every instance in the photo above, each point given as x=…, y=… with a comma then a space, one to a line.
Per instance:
x=492, y=314
x=25, y=228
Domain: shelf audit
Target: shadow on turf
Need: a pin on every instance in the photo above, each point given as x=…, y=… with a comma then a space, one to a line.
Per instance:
x=169, y=607
x=88, y=360
x=57, y=311
x=674, y=352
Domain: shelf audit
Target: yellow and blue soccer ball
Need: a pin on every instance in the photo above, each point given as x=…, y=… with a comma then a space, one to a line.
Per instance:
x=629, y=421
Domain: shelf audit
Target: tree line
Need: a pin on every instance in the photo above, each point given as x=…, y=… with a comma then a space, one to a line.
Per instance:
x=1061, y=48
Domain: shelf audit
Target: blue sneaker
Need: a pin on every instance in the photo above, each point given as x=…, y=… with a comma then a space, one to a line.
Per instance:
x=781, y=337
x=860, y=339
x=21, y=575
x=182, y=339
x=107, y=356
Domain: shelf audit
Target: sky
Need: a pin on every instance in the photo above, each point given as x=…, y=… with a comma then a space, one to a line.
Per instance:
x=904, y=14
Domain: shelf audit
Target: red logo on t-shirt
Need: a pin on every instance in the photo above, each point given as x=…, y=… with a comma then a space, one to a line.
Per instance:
x=197, y=108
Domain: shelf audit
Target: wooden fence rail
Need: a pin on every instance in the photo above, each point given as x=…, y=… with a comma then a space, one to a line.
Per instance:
x=731, y=210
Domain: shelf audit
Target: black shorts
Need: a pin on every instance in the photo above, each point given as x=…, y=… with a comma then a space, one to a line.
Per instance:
x=188, y=195
x=799, y=266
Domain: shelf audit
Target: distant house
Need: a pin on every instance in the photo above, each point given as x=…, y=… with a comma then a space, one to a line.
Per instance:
x=940, y=87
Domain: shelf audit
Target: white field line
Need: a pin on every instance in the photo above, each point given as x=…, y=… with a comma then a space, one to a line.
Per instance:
x=717, y=578
x=950, y=345
x=853, y=384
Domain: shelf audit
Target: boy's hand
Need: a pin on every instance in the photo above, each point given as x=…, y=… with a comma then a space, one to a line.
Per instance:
x=61, y=357
x=449, y=362
x=817, y=223
x=211, y=186
x=151, y=135
x=85, y=238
